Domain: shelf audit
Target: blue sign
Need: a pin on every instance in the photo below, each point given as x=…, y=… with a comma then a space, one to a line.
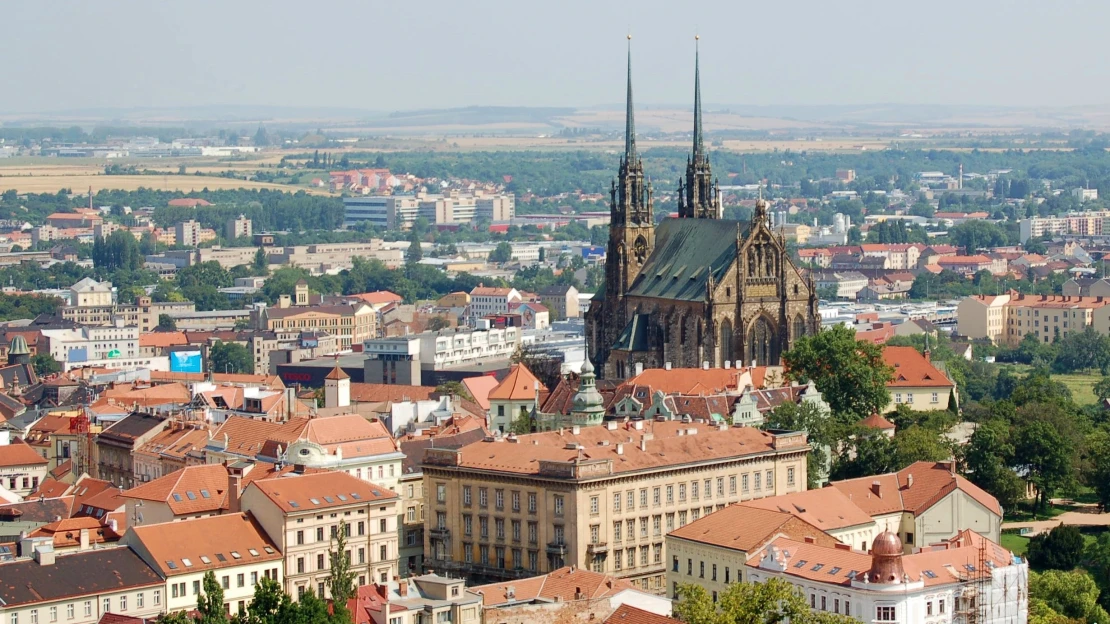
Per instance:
x=186, y=362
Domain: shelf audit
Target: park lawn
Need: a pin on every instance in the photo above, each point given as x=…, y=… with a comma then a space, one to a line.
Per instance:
x=1015, y=543
x=1082, y=386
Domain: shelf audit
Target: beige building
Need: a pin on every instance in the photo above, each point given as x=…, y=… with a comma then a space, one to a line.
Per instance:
x=562, y=301
x=49, y=588
x=21, y=468
x=90, y=309
x=916, y=383
x=519, y=391
x=303, y=513
x=233, y=547
x=417, y=600
x=597, y=497
x=1006, y=319
x=239, y=227
x=351, y=324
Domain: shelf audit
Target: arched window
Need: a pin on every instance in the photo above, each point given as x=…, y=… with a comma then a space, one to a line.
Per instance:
x=762, y=343
x=799, y=327
x=726, y=342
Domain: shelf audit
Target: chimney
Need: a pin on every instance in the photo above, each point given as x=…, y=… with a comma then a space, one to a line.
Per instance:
x=298, y=469
x=728, y=364
x=234, y=491
x=876, y=488
x=383, y=591
x=705, y=365
x=403, y=588
x=639, y=367
x=643, y=444
x=620, y=449
x=84, y=540
x=909, y=481
x=840, y=546
x=666, y=366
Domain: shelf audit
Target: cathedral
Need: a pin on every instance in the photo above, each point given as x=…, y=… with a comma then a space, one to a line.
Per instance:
x=694, y=289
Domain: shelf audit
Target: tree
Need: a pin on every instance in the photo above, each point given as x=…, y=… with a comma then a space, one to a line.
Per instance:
x=1041, y=450
x=522, y=424
x=230, y=357
x=1097, y=474
x=502, y=253
x=917, y=443
x=341, y=578
x=869, y=453
x=850, y=373
x=1096, y=560
x=270, y=605
x=260, y=266
x=437, y=323
x=210, y=602
x=987, y=460
x=806, y=416
x=414, y=253
x=1059, y=549
x=166, y=323
x=1102, y=389
x=45, y=364
x=209, y=273
x=455, y=388
x=1072, y=594
x=775, y=601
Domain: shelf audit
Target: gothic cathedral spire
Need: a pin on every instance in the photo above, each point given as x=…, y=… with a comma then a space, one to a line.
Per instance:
x=629, y=115
x=698, y=195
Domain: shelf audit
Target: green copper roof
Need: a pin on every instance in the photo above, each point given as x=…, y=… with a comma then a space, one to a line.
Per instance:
x=686, y=252
x=634, y=335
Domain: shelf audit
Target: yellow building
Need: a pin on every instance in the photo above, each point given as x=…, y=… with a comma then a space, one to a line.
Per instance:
x=303, y=513
x=917, y=383
x=598, y=497
x=1006, y=319
x=454, y=300
x=352, y=324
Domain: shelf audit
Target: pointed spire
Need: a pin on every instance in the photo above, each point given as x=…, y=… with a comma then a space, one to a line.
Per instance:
x=699, y=145
x=629, y=119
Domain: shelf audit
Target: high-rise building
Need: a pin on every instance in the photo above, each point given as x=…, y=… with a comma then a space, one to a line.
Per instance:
x=239, y=228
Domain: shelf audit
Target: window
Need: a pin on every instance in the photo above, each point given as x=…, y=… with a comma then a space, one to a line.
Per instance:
x=319, y=562
x=631, y=557
x=744, y=484
x=617, y=531
x=516, y=530
x=300, y=567
x=441, y=492
x=483, y=526
x=483, y=554
x=655, y=496
x=643, y=498
x=499, y=528
x=694, y=490
x=682, y=518
x=516, y=501
x=383, y=552
x=559, y=535
x=682, y=492
x=929, y=608
x=196, y=588
x=533, y=560
x=319, y=534
x=499, y=499
x=707, y=489
x=940, y=605
x=35, y=612
x=595, y=533
x=720, y=486
x=483, y=497
x=726, y=576
x=631, y=530
x=657, y=525
x=935, y=398
x=106, y=605
x=14, y=619
x=468, y=553
x=300, y=537
x=410, y=516
x=884, y=614
x=594, y=506
x=226, y=582
x=54, y=613
x=824, y=603
x=617, y=502
x=254, y=579
x=157, y=597
x=847, y=608
x=836, y=605
x=383, y=526
x=88, y=603
x=701, y=569
x=714, y=572
x=643, y=555
x=531, y=502
x=657, y=556
x=670, y=522
x=558, y=505
x=240, y=580
x=670, y=494
x=789, y=476
x=758, y=481
x=69, y=611
x=466, y=495
x=533, y=530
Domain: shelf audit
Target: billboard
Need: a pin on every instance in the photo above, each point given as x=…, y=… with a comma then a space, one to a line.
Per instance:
x=189, y=361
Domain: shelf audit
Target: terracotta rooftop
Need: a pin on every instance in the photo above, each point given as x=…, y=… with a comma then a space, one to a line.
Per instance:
x=913, y=489
x=559, y=585
x=519, y=385
x=827, y=509
x=19, y=454
x=162, y=339
x=201, y=544
x=912, y=370
x=671, y=443
x=381, y=393
x=67, y=532
x=628, y=614
x=174, y=443
x=479, y=387
x=191, y=490
x=743, y=528
x=294, y=493
x=876, y=421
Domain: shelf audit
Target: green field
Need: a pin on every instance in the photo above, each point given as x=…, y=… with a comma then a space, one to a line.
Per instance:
x=1081, y=384
x=1015, y=543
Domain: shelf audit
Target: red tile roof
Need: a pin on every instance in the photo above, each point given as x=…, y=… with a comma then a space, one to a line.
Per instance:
x=628, y=614
x=559, y=585
x=913, y=489
x=375, y=393
x=743, y=527
x=323, y=490
x=19, y=454
x=202, y=544
x=875, y=421
x=827, y=508
x=191, y=490
x=519, y=385
x=912, y=370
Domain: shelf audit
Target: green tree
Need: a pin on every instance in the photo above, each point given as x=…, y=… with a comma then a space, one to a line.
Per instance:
x=1097, y=473
x=166, y=323
x=522, y=424
x=502, y=253
x=820, y=431
x=415, y=253
x=1072, y=594
x=1059, y=549
x=341, y=578
x=311, y=609
x=209, y=273
x=917, y=443
x=45, y=364
x=987, y=461
x=210, y=602
x=260, y=266
x=1041, y=450
x=850, y=373
x=870, y=452
x=454, y=387
x=775, y=601
x=1102, y=389
x=230, y=357
x=177, y=617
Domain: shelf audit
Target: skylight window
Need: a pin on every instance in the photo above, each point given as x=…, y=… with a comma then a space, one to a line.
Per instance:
x=818, y=566
x=800, y=563
x=177, y=497
x=929, y=574
x=253, y=552
x=235, y=555
x=970, y=568
x=204, y=494
x=191, y=495
x=330, y=500
x=269, y=551
x=188, y=564
x=853, y=574
x=205, y=560
x=314, y=501
x=835, y=570
x=221, y=558
x=356, y=496
x=171, y=565
x=294, y=504
x=342, y=497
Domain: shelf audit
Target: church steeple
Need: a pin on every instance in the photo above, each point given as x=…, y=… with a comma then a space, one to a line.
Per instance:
x=698, y=195
x=629, y=115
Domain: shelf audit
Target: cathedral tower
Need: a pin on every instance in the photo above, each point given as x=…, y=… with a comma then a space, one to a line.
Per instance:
x=631, y=230
x=698, y=195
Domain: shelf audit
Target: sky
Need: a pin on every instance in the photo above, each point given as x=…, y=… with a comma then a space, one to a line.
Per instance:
x=387, y=56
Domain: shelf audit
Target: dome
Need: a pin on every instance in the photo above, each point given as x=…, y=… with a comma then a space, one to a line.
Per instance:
x=886, y=543
x=19, y=346
x=587, y=367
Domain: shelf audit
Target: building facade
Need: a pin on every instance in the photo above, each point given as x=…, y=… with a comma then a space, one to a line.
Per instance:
x=600, y=497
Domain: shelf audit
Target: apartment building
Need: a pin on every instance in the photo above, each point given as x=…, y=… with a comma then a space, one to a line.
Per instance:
x=233, y=547
x=93, y=305
x=1092, y=223
x=239, y=227
x=50, y=587
x=597, y=497
x=21, y=468
x=900, y=256
x=94, y=342
x=487, y=300
x=116, y=444
x=452, y=208
x=1006, y=319
x=351, y=324
x=417, y=600
x=303, y=513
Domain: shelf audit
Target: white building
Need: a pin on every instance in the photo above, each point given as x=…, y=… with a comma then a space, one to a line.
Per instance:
x=967, y=578
x=486, y=300
x=1085, y=194
x=88, y=343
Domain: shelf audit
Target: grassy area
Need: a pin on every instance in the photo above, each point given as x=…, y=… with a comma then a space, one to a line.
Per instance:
x=1082, y=385
x=1015, y=543
x=1024, y=514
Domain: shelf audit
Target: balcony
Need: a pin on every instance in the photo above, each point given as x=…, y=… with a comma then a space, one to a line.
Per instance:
x=598, y=548
x=558, y=549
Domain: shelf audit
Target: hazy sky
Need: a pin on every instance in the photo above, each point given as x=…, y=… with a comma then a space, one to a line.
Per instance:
x=421, y=54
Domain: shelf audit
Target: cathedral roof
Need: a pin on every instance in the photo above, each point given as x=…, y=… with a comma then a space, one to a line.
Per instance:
x=686, y=252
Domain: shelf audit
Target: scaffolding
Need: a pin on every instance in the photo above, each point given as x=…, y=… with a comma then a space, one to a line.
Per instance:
x=973, y=605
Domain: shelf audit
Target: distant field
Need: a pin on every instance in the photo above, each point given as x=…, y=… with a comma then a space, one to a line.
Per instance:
x=1082, y=385
x=52, y=183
